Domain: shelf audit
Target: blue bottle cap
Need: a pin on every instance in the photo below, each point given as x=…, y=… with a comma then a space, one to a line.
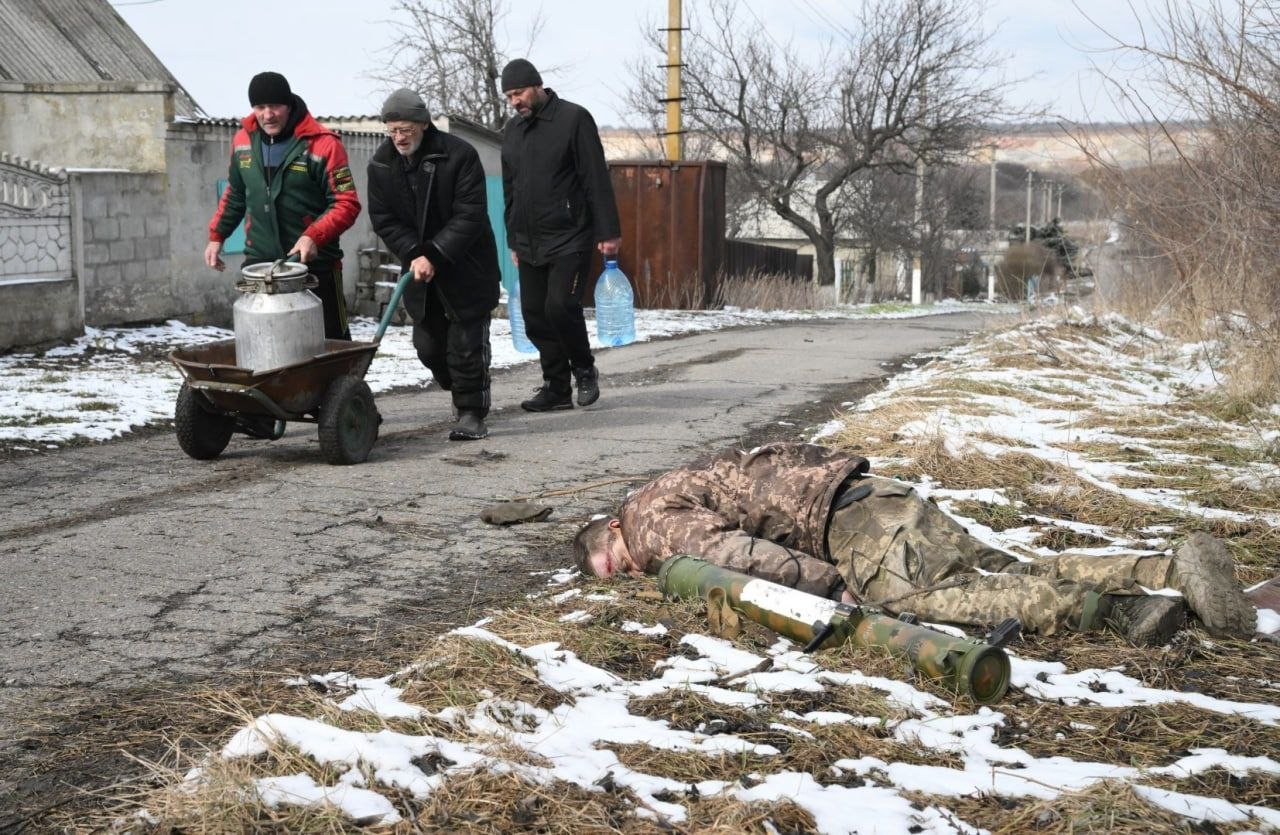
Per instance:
x=611, y=264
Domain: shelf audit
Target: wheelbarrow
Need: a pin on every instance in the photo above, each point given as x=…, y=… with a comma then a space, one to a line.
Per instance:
x=219, y=398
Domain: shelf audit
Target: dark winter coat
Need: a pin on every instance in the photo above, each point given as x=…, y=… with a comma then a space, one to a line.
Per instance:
x=556, y=186
x=762, y=512
x=449, y=223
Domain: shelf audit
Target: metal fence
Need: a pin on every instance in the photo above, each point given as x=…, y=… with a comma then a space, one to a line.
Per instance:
x=742, y=259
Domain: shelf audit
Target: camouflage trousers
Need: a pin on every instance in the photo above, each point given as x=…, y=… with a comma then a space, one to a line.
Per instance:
x=898, y=551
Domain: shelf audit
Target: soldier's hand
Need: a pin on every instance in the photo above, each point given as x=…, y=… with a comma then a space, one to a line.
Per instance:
x=609, y=248
x=423, y=269
x=213, y=256
x=515, y=259
x=305, y=248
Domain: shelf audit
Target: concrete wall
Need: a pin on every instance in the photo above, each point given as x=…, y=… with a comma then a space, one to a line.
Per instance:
x=196, y=158
x=108, y=125
x=125, y=247
x=40, y=296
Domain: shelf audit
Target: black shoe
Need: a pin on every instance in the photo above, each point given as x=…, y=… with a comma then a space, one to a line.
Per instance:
x=588, y=385
x=546, y=400
x=1146, y=620
x=470, y=427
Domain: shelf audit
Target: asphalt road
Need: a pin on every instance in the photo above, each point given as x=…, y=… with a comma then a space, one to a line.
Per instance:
x=128, y=565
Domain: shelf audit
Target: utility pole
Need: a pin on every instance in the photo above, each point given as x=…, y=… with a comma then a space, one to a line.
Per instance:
x=1027, y=227
x=674, y=134
x=917, y=269
x=1061, y=188
x=991, y=214
x=989, y=258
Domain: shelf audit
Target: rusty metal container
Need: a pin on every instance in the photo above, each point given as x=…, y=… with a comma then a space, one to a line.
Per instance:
x=672, y=216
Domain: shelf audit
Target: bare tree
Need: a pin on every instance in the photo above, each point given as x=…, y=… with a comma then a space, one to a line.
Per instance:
x=1209, y=214
x=449, y=50
x=912, y=79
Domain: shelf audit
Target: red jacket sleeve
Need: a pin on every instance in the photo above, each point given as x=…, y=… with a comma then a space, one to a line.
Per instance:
x=340, y=189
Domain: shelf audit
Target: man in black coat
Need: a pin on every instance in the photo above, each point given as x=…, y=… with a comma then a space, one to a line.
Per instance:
x=559, y=205
x=427, y=203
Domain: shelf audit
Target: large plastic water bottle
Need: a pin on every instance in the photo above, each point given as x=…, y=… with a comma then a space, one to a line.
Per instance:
x=519, y=338
x=615, y=307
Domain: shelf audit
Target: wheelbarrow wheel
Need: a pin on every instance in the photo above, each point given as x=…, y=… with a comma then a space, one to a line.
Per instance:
x=348, y=421
x=202, y=433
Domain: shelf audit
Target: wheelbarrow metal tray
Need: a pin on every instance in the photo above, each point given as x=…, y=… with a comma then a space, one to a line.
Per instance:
x=285, y=393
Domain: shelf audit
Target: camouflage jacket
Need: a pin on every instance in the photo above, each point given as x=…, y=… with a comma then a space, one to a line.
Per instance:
x=762, y=512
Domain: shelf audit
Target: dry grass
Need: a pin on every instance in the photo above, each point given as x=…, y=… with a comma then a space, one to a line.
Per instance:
x=1107, y=807
x=492, y=803
x=770, y=292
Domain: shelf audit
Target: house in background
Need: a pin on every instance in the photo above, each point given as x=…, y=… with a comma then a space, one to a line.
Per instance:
x=79, y=88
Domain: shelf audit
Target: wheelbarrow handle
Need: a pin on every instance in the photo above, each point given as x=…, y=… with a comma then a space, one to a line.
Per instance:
x=391, y=305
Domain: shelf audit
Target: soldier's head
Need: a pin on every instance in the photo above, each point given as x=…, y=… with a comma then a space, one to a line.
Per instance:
x=406, y=117
x=272, y=101
x=522, y=85
x=600, y=551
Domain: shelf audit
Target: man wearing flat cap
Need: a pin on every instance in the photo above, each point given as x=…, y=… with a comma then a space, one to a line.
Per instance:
x=289, y=180
x=427, y=203
x=559, y=207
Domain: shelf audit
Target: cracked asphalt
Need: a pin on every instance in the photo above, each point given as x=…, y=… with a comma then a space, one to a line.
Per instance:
x=130, y=567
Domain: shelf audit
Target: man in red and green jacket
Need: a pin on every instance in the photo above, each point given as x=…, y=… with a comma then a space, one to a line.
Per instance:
x=290, y=182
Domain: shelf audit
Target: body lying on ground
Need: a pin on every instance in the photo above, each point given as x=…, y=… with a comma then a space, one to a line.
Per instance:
x=811, y=518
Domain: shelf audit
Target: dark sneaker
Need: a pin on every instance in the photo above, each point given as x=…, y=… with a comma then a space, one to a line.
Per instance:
x=470, y=427
x=1205, y=574
x=588, y=385
x=1146, y=620
x=546, y=400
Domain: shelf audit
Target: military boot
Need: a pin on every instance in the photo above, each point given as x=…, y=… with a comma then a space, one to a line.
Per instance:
x=470, y=426
x=1145, y=620
x=1205, y=574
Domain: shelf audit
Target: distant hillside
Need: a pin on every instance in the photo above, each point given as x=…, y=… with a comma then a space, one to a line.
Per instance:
x=1040, y=146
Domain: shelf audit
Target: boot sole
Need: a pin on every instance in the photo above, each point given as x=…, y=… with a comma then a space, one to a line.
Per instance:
x=1207, y=577
x=559, y=407
x=455, y=435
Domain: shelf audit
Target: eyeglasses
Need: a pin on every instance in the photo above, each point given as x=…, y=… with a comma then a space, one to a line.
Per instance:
x=395, y=132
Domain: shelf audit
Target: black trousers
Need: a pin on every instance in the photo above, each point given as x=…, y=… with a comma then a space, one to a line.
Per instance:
x=551, y=300
x=331, y=296
x=458, y=355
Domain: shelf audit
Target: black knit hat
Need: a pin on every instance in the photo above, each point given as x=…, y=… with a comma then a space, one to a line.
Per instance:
x=270, y=88
x=404, y=105
x=520, y=73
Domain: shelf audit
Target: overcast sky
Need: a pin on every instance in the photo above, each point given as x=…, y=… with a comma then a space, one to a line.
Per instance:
x=328, y=48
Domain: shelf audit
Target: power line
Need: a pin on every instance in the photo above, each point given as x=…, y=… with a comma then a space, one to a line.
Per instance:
x=823, y=18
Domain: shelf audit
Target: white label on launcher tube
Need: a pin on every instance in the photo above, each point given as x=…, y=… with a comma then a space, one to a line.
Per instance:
x=797, y=605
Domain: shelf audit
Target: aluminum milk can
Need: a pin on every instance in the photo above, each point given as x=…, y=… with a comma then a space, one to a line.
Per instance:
x=278, y=321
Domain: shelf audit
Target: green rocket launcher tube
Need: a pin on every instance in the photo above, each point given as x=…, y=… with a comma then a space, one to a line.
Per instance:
x=972, y=668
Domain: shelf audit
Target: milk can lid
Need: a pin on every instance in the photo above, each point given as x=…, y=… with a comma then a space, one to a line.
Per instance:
x=274, y=270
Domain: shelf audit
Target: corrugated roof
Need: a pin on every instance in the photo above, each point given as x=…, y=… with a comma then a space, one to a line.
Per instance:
x=79, y=41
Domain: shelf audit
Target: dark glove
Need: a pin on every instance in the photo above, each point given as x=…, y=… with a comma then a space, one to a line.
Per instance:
x=513, y=513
